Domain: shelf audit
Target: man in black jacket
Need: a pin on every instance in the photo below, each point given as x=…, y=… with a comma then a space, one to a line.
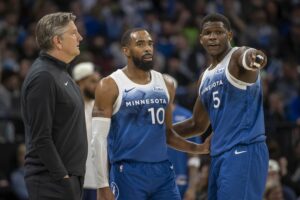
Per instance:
x=53, y=114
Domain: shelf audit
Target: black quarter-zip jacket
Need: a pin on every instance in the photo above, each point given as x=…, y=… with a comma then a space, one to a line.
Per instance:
x=54, y=120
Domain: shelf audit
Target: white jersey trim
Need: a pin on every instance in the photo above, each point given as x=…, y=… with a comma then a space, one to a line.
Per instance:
x=235, y=82
x=118, y=101
x=202, y=78
x=232, y=80
x=163, y=83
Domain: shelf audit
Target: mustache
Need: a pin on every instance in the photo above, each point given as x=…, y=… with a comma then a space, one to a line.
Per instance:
x=147, y=54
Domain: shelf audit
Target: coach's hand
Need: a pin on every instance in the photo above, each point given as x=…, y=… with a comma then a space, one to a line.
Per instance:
x=105, y=194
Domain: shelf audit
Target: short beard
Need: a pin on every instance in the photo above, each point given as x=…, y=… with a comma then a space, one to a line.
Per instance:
x=143, y=65
x=88, y=94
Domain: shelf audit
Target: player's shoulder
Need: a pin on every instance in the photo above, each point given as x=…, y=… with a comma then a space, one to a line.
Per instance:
x=239, y=50
x=169, y=80
x=116, y=74
x=107, y=84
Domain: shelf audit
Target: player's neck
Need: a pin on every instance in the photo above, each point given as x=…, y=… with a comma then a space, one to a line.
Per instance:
x=218, y=58
x=137, y=75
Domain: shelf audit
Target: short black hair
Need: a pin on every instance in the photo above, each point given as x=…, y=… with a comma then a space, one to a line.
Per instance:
x=216, y=17
x=126, y=37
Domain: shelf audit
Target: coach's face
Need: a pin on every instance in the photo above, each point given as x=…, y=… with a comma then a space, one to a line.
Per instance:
x=215, y=38
x=68, y=42
x=141, y=50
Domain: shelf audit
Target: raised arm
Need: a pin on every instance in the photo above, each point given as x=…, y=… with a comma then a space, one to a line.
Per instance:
x=246, y=63
x=106, y=94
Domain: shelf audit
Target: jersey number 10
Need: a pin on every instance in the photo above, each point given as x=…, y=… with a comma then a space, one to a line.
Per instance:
x=157, y=116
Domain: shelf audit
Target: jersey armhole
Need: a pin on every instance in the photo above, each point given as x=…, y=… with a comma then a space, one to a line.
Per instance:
x=161, y=77
x=117, y=103
x=235, y=82
x=201, y=83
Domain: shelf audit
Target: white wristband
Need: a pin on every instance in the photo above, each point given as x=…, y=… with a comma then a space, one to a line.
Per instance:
x=245, y=65
x=194, y=162
x=100, y=130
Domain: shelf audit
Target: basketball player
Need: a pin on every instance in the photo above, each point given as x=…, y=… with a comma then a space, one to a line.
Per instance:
x=230, y=99
x=132, y=115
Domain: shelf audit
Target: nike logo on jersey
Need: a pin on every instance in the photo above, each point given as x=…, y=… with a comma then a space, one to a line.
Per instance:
x=128, y=90
x=66, y=83
x=236, y=152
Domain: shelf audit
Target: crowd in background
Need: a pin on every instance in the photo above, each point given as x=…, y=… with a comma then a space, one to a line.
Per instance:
x=270, y=25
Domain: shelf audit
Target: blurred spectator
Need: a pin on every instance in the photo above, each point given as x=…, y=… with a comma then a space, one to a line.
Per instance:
x=7, y=165
x=291, y=44
x=9, y=104
x=17, y=177
x=275, y=190
x=5, y=191
x=275, y=112
x=293, y=109
x=259, y=33
x=294, y=168
x=165, y=43
x=87, y=78
x=203, y=179
x=105, y=57
x=288, y=82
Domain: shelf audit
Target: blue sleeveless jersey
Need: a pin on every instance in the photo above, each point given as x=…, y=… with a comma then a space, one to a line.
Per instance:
x=234, y=108
x=138, y=131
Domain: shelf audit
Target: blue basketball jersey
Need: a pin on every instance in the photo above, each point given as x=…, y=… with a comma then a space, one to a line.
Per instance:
x=234, y=108
x=138, y=131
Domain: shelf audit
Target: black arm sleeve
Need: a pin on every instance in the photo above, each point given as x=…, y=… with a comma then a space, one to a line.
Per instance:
x=40, y=103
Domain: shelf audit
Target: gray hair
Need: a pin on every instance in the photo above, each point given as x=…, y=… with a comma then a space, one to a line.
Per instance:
x=51, y=25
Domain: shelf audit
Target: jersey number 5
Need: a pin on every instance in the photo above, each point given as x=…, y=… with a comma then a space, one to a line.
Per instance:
x=157, y=116
x=216, y=99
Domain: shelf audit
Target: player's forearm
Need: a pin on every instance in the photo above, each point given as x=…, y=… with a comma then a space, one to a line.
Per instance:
x=188, y=128
x=179, y=143
x=105, y=194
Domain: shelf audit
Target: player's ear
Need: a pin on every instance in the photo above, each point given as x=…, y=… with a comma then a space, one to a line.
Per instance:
x=200, y=39
x=230, y=35
x=126, y=51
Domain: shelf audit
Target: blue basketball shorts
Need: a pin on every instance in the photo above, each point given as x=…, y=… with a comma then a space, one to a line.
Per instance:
x=143, y=181
x=239, y=173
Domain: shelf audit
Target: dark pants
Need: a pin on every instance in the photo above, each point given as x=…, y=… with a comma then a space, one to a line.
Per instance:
x=89, y=194
x=43, y=187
